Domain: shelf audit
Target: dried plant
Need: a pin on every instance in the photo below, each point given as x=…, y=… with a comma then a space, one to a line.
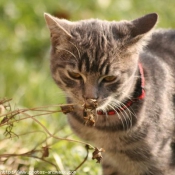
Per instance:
x=9, y=117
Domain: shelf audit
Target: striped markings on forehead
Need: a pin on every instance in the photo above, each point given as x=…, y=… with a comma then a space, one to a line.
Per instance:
x=93, y=64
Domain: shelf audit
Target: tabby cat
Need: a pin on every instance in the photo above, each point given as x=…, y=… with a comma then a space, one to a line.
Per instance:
x=128, y=69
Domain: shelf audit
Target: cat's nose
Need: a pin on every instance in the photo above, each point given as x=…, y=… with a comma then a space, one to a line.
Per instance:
x=90, y=103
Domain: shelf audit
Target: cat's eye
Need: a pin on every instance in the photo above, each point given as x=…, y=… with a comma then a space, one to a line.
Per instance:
x=109, y=79
x=75, y=75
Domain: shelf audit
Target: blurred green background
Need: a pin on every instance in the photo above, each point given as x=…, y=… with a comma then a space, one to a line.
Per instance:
x=24, y=64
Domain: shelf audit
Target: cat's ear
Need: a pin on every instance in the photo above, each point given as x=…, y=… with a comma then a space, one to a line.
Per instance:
x=59, y=28
x=143, y=24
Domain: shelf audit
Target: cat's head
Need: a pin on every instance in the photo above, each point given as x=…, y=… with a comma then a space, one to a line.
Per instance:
x=96, y=59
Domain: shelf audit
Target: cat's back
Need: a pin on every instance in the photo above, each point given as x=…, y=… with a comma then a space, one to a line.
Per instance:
x=162, y=45
x=159, y=58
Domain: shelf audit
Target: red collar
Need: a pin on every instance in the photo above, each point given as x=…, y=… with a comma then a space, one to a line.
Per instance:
x=136, y=97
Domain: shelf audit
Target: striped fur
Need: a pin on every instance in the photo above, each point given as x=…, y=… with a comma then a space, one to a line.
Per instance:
x=141, y=139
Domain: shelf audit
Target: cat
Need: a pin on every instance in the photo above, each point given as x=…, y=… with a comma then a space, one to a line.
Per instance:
x=128, y=69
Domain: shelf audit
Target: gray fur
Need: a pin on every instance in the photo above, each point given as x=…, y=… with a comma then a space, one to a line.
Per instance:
x=141, y=139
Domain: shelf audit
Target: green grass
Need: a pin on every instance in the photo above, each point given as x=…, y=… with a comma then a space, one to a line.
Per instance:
x=25, y=74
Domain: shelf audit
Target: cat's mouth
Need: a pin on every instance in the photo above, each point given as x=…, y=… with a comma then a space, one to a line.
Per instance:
x=92, y=106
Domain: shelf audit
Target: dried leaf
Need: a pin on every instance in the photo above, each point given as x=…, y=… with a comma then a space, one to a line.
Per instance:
x=97, y=154
x=45, y=151
x=66, y=109
x=89, y=120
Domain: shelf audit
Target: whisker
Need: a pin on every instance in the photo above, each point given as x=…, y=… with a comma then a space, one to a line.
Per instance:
x=104, y=110
x=129, y=98
x=113, y=107
x=69, y=52
x=128, y=112
x=77, y=49
x=128, y=115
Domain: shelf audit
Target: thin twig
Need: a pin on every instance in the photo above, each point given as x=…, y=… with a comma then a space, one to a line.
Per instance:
x=65, y=139
x=85, y=159
x=29, y=154
x=9, y=119
x=18, y=111
x=30, y=132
